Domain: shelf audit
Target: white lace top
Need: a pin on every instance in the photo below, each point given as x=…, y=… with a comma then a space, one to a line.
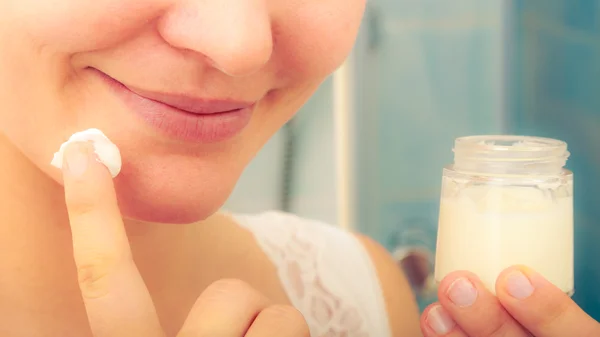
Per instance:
x=326, y=272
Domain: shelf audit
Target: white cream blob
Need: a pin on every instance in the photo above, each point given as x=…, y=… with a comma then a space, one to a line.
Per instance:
x=107, y=152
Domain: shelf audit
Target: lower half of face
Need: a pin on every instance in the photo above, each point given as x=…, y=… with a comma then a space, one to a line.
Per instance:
x=189, y=99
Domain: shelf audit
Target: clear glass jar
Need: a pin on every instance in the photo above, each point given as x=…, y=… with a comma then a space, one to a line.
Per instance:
x=507, y=200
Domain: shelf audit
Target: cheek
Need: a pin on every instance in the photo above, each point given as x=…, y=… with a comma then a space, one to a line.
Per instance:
x=75, y=25
x=27, y=99
x=311, y=41
x=315, y=39
x=37, y=39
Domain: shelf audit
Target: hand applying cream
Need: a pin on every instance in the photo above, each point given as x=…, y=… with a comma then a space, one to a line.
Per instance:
x=107, y=152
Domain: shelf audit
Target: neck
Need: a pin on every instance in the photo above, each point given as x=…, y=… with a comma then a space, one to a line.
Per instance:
x=36, y=264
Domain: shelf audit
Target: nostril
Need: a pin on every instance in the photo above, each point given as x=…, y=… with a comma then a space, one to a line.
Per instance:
x=210, y=62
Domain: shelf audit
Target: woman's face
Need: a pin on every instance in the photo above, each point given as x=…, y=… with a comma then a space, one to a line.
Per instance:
x=188, y=89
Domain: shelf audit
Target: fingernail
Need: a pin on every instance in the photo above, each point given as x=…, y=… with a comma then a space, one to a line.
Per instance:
x=518, y=285
x=76, y=159
x=439, y=320
x=462, y=292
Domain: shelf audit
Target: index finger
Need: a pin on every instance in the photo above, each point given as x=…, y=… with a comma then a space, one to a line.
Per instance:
x=115, y=296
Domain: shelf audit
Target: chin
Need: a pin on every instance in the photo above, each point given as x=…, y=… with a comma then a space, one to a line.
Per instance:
x=155, y=212
x=163, y=210
x=181, y=199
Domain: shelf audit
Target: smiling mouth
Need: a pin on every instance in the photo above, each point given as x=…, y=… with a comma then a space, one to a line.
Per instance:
x=192, y=104
x=184, y=117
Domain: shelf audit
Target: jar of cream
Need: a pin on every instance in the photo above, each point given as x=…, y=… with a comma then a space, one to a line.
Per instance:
x=507, y=200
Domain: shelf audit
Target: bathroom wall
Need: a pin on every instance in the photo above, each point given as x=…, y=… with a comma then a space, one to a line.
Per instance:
x=555, y=86
x=313, y=191
x=428, y=71
x=431, y=70
x=433, y=73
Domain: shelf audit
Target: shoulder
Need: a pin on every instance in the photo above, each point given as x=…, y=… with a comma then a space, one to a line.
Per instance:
x=349, y=265
x=401, y=305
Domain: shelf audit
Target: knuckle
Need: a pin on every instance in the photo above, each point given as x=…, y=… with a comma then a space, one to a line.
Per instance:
x=229, y=286
x=490, y=321
x=554, y=311
x=501, y=329
x=94, y=275
x=82, y=206
x=228, y=290
x=284, y=312
x=293, y=318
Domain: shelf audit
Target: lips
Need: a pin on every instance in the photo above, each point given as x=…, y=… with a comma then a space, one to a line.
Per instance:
x=192, y=105
x=182, y=117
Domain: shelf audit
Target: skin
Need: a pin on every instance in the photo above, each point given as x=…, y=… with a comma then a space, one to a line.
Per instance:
x=49, y=47
x=88, y=256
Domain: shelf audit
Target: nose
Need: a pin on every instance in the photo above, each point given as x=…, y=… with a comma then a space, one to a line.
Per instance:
x=234, y=35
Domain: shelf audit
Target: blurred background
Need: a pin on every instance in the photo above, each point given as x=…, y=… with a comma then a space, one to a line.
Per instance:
x=366, y=153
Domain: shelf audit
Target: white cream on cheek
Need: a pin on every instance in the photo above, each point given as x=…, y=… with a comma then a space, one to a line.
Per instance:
x=107, y=152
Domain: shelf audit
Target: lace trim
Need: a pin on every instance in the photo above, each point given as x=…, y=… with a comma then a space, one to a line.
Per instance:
x=334, y=304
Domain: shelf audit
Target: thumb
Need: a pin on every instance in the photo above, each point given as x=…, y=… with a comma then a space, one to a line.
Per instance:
x=541, y=307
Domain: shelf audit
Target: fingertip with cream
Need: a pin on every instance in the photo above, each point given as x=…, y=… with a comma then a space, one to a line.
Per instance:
x=85, y=144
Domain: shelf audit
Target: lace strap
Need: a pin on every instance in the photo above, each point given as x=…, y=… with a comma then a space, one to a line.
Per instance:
x=326, y=273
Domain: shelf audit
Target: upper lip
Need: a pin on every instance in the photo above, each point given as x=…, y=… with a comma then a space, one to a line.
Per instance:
x=192, y=104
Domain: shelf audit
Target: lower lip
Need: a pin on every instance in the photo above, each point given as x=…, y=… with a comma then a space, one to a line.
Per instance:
x=181, y=125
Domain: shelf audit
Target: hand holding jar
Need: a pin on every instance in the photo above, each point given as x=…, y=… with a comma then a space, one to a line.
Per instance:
x=506, y=207
x=525, y=305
